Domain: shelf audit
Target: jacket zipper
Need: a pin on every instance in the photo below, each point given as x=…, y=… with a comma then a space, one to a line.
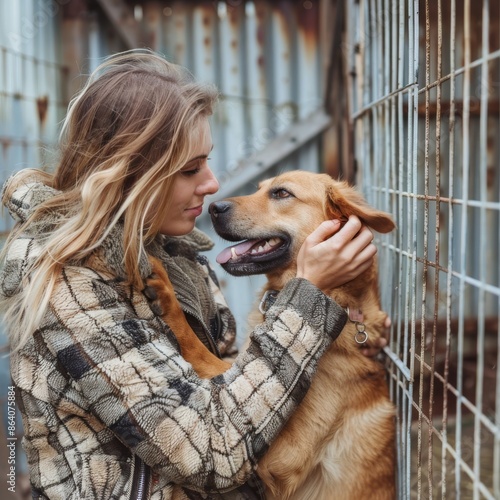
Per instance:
x=141, y=482
x=211, y=341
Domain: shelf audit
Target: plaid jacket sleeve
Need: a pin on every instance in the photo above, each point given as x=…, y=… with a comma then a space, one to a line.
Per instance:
x=204, y=434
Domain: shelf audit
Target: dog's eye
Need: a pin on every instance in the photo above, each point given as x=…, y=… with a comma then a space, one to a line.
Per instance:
x=281, y=193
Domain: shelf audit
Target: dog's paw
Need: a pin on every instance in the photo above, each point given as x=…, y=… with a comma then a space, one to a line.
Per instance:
x=378, y=335
x=158, y=288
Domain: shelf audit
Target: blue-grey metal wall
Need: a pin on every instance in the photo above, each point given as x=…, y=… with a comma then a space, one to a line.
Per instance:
x=32, y=84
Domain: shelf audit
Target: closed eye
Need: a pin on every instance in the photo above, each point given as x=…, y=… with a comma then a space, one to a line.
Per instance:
x=193, y=167
x=190, y=172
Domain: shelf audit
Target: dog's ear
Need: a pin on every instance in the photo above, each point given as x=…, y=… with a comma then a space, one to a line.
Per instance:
x=343, y=200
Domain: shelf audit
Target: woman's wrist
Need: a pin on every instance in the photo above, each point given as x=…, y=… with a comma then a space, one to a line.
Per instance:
x=315, y=307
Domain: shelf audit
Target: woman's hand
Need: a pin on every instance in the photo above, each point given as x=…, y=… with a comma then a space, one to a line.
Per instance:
x=330, y=257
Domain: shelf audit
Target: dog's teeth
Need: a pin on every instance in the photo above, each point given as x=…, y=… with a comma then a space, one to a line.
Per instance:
x=234, y=255
x=254, y=250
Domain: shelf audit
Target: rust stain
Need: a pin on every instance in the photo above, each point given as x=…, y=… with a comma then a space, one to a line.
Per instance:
x=6, y=143
x=208, y=12
x=42, y=105
x=285, y=17
x=74, y=9
x=233, y=13
x=491, y=174
x=307, y=16
x=261, y=37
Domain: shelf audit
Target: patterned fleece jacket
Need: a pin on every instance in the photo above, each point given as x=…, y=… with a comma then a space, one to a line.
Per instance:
x=110, y=408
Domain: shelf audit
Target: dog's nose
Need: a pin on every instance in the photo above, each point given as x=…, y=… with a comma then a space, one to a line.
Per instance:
x=219, y=207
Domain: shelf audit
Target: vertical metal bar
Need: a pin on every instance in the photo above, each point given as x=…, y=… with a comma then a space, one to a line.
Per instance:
x=449, y=293
x=483, y=242
x=425, y=270
x=404, y=428
x=463, y=238
x=437, y=234
x=413, y=39
x=368, y=86
x=359, y=58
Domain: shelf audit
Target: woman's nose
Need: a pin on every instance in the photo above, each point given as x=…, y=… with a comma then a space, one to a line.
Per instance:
x=210, y=184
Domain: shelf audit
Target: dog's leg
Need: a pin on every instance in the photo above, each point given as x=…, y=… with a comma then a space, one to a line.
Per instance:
x=205, y=363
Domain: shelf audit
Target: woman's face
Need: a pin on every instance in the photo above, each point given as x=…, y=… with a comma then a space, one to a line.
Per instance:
x=191, y=184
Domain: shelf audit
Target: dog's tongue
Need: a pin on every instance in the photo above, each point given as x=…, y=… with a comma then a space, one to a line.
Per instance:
x=239, y=249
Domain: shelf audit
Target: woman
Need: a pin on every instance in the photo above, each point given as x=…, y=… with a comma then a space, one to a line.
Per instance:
x=110, y=408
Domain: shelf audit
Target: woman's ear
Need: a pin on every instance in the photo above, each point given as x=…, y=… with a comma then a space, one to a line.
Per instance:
x=343, y=200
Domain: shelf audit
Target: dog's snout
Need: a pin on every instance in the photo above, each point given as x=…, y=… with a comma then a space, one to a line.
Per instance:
x=219, y=207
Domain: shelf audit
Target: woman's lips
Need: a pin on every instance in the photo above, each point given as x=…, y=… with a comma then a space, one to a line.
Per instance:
x=195, y=210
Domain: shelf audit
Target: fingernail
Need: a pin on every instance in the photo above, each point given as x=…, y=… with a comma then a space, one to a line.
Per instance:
x=336, y=222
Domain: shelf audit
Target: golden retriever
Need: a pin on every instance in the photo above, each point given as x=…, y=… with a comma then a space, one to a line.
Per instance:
x=340, y=442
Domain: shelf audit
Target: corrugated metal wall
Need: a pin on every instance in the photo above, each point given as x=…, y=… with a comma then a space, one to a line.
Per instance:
x=32, y=84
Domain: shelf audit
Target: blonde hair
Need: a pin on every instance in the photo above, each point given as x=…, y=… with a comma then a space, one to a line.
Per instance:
x=126, y=133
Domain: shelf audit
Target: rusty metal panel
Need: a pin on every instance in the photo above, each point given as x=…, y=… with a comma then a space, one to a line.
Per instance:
x=32, y=85
x=263, y=56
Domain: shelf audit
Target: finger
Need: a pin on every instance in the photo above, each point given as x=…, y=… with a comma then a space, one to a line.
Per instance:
x=370, y=351
x=373, y=348
x=359, y=243
x=364, y=258
x=382, y=342
x=323, y=231
x=350, y=229
x=364, y=237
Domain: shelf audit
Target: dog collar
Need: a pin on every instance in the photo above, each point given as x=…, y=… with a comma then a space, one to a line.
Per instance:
x=268, y=299
x=356, y=316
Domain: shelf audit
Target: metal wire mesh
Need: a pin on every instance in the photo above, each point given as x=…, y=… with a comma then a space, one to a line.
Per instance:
x=424, y=86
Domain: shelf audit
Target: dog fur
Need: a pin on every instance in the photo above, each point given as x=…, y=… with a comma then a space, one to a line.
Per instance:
x=340, y=442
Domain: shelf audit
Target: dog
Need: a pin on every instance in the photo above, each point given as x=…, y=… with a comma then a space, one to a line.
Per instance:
x=340, y=442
